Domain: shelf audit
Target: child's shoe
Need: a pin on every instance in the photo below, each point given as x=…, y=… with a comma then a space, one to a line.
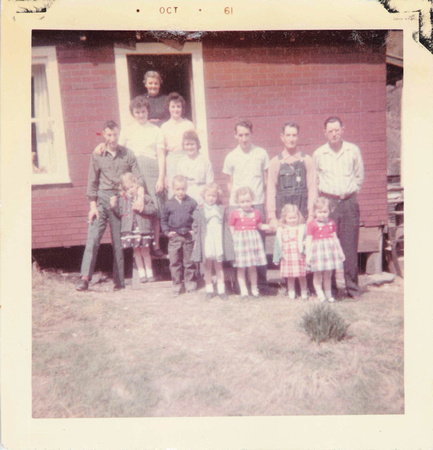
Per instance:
x=208, y=295
x=144, y=279
x=151, y=279
x=331, y=299
x=291, y=295
x=304, y=296
x=255, y=293
x=321, y=298
x=223, y=296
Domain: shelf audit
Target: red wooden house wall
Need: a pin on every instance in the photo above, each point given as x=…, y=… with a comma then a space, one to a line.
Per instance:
x=303, y=79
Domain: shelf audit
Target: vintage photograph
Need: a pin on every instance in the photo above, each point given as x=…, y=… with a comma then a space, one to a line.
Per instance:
x=217, y=223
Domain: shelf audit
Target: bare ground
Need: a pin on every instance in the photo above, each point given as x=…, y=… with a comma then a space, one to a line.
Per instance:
x=138, y=353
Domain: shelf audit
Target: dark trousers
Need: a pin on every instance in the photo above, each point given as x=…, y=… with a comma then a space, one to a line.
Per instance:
x=94, y=236
x=345, y=214
x=182, y=269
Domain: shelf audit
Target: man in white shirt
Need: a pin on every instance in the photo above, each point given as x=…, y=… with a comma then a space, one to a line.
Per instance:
x=247, y=165
x=340, y=172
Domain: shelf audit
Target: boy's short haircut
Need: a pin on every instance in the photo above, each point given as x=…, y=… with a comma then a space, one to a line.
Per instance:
x=180, y=179
x=193, y=136
x=243, y=190
x=111, y=124
x=291, y=125
x=333, y=119
x=139, y=102
x=152, y=74
x=175, y=97
x=245, y=124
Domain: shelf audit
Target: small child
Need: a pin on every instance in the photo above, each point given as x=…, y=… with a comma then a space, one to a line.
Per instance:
x=324, y=252
x=248, y=245
x=213, y=240
x=289, y=249
x=169, y=142
x=176, y=223
x=194, y=166
x=136, y=227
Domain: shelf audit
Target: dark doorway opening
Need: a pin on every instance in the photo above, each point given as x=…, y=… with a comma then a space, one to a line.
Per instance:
x=175, y=71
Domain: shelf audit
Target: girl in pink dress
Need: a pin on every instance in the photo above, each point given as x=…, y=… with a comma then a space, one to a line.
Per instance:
x=248, y=245
x=324, y=252
x=289, y=250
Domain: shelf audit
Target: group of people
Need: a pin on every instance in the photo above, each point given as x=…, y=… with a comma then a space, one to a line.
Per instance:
x=151, y=178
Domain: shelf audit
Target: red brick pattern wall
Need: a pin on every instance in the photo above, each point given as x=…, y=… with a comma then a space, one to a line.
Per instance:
x=307, y=84
x=89, y=97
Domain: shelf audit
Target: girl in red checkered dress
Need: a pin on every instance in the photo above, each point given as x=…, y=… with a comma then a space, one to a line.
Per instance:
x=324, y=252
x=248, y=245
x=289, y=249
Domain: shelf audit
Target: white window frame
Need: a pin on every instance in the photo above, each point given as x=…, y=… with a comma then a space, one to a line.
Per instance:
x=197, y=83
x=47, y=56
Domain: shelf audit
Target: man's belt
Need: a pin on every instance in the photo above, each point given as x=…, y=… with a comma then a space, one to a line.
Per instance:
x=338, y=197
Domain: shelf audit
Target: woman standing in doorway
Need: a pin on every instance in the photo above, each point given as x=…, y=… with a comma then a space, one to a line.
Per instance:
x=158, y=113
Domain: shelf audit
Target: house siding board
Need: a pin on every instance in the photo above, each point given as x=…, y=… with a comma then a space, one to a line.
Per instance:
x=305, y=83
x=89, y=97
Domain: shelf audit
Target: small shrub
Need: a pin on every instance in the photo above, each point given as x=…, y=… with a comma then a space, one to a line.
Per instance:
x=322, y=324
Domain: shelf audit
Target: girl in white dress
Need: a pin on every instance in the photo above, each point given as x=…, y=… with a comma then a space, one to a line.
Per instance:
x=213, y=242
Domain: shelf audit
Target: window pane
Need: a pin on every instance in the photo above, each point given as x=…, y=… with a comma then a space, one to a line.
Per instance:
x=43, y=156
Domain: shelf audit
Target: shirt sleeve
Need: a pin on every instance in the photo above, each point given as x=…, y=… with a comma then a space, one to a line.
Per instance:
x=358, y=169
x=228, y=165
x=272, y=188
x=266, y=160
x=93, y=178
x=311, y=185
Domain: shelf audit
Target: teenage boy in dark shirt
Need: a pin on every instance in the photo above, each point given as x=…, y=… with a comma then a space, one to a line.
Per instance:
x=176, y=223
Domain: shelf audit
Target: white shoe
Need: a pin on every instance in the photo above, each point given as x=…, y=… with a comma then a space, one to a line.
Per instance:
x=321, y=299
x=331, y=299
x=304, y=296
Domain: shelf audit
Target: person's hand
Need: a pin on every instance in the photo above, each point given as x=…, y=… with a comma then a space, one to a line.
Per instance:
x=93, y=213
x=273, y=224
x=113, y=201
x=171, y=233
x=138, y=204
x=100, y=148
x=160, y=186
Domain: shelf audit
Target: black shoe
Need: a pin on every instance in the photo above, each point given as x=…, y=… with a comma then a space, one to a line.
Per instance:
x=118, y=287
x=82, y=285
